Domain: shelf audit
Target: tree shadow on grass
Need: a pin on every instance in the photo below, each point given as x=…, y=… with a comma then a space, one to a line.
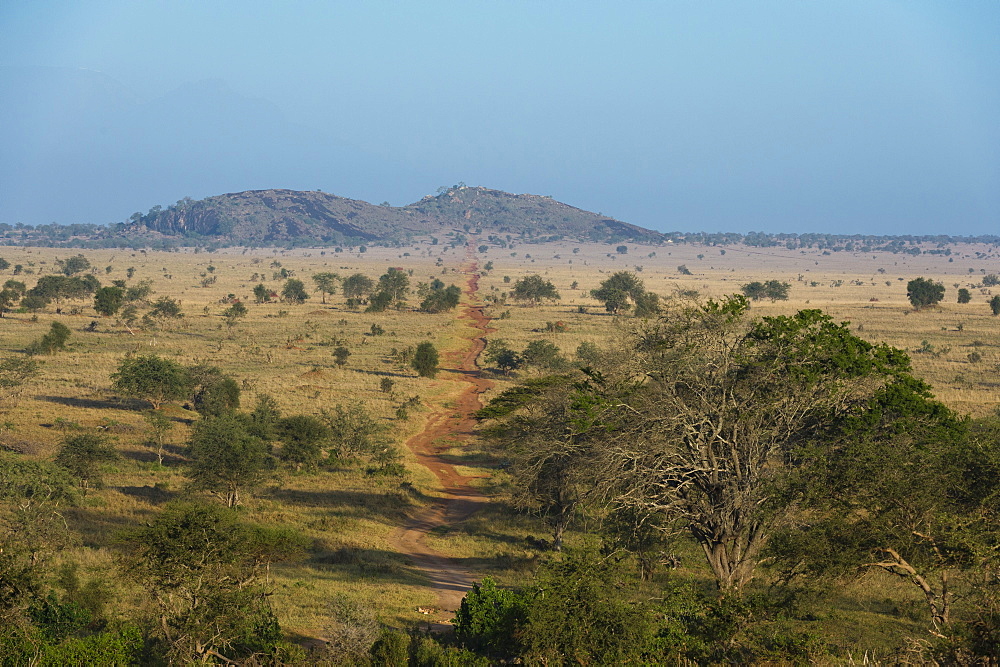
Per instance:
x=152, y=494
x=128, y=404
x=391, y=506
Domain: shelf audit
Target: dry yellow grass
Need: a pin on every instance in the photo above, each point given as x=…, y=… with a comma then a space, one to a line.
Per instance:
x=285, y=351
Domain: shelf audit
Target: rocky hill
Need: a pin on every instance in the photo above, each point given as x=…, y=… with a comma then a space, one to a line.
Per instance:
x=263, y=217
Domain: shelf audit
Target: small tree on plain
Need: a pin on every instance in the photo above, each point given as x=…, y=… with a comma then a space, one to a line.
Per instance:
x=294, y=291
x=425, y=360
x=151, y=378
x=995, y=305
x=922, y=292
x=326, y=283
x=533, y=289
x=108, y=300
x=964, y=296
x=340, y=356
x=159, y=426
x=82, y=454
x=226, y=459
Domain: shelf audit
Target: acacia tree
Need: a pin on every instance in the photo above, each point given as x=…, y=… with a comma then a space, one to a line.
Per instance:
x=619, y=291
x=82, y=454
x=552, y=453
x=226, y=458
x=695, y=421
x=151, y=378
x=203, y=568
x=908, y=489
x=922, y=292
x=425, y=360
x=534, y=289
x=326, y=283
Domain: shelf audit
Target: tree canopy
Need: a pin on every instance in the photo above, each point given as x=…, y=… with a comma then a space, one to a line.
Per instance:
x=923, y=292
x=151, y=378
x=534, y=289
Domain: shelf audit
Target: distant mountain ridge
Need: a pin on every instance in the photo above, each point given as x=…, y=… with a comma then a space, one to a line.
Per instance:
x=261, y=217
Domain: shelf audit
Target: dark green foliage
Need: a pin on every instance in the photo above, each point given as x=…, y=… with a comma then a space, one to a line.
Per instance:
x=991, y=280
x=108, y=300
x=379, y=302
x=303, y=438
x=216, y=394
x=73, y=265
x=294, y=291
x=51, y=342
x=775, y=290
x=995, y=305
x=357, y=286
x=165, y=307
x=391, y=291
x=261, y=294
x=263, y=420
x=226, y=458
x=8, y=300
x=534, y=289
x=57, y=619
x=425, y=360
x=199, y=562
x=82, y=455
x=922, y=292
x=500, y=355
x=340, y=355
x=543, y=354
x=647, y=304
x=441, y=300
x=235, y=311
x=580, y=613
x=57, y=287
x=489, y=618
x=392, y=648
x=618, y=291
x=151, y=378
x=385, y=385
x=353, y=432
x=964, y=296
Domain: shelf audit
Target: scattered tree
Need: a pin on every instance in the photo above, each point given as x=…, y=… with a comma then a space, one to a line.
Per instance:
x=159, y=425
x=357, y=286
x=108, y=300
x=964, y=296
x=51, y=342
x=425, y=360
x=294, y=291
x=261, y=294
x=775, y=290
x=82, y=454
x=534, y=289
x=923, y=293
x=326, y=283
x=995, y=305
x=151, y=378
x=617, y=291
x=226, y=458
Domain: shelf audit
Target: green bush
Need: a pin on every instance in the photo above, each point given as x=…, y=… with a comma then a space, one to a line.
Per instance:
x=488, y=618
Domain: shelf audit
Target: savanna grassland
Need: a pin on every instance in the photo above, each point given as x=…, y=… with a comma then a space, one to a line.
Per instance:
x=349, y=516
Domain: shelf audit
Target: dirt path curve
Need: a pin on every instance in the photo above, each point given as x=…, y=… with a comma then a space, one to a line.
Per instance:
x=446, y=428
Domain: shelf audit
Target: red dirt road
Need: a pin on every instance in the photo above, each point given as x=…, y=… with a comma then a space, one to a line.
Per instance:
x=445, y=429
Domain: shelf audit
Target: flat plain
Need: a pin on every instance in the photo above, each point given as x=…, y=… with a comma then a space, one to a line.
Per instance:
x=285, y=350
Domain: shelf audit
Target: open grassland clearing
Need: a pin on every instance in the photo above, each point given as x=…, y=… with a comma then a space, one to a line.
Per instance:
x=286, y=350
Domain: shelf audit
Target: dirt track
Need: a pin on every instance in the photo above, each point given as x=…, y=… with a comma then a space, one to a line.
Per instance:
x=459, y=500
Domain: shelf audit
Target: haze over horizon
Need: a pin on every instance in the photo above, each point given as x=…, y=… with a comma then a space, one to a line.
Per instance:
x=880, y=117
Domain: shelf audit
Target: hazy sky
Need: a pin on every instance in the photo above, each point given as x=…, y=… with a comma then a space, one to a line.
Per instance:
x=836, y=116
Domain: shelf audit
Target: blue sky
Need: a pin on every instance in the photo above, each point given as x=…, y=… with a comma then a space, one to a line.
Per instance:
x=841, y=117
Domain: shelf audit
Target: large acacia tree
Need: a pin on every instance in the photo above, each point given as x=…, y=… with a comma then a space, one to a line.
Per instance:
x=697, y=423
